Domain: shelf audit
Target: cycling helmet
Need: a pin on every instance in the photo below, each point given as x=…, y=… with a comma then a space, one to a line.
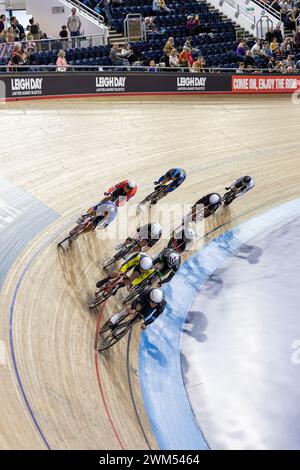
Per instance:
x=171, y=258
x=130, y=185
x=146, y=263
x=189, y=234
x=155, y=230
x=175, y=174
x=246, y=179
x=156, y=296
x=214, y=199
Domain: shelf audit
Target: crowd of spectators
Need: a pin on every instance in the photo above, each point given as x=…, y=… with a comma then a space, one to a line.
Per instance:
x=288, y=9
x=274, y=53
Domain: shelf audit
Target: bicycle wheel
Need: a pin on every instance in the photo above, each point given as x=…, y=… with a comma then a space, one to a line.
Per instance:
x=99, y=300
x=71, y=234
x=110, y=336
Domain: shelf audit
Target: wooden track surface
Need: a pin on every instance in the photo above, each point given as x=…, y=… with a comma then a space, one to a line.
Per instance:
x=66, y=154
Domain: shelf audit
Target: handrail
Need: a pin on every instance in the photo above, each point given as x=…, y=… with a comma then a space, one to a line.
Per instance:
x=81, y=6
x=239, y=10
x=49, y=42
x=134, y=69
x=266, y=7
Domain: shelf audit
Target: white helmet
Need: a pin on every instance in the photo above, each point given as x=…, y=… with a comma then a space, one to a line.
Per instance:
x=146, y=263
x=131, y=184
x=189, y=234
x=156, y=296
x=214, y=199
x=155, y=230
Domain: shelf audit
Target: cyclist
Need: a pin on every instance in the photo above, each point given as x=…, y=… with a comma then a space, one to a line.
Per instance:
x=121, y=192
x=209, y=203
x=141, y=266
x=171, y=180
x=149, y=304
x=241, y=186
x=182, y=240
x=104, y=212
x=166, y=265
x=145, y=236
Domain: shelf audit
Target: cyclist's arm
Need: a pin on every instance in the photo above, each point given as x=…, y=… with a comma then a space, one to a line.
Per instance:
x=155, y=314
x=130, y=263
x=142, y=277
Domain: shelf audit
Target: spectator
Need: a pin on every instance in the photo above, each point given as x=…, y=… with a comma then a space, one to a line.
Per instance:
x=30, y=44
x=198, y=65
x=274, y=46
x=298, y=65
x=275, y=4
x=13, y=24
x=266, y=51
x=74, y=23
x=2, y=23
x=269, y=35
x=286, y=46
x=297, y=39
x=241, y=68
x=290, y=69
x=61, y=61
x=288, y=62
x=241, y=50
x=256, y=49
x=127, y=53
x=105, y=9
x=249, y=60
x=167, y=49
x=291, y=19
x=3, y=35
x=160, y=5
x=278, y=34
x=20, y=28
x=173, y=58
x=186, y=58
x=18, y=57
x=150, y=25
x=64, y=35
x=192, y=24
x=34, y=30
x=152, y=66
x=117, y=59
x=64, y=32
x=10, y=37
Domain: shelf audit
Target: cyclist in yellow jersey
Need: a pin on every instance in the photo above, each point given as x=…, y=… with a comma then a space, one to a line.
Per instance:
x=141, y=266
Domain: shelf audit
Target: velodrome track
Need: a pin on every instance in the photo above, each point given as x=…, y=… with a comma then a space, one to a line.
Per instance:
x=56, y=159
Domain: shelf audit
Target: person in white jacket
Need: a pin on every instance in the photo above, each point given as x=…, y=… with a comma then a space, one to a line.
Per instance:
x=241, y=185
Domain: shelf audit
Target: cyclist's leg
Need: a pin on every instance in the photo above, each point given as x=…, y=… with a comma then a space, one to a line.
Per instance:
x=117, y=317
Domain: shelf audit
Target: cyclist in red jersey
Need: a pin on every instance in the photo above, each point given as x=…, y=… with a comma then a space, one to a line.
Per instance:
x=121, y=192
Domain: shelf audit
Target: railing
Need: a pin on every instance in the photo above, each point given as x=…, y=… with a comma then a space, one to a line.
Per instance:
x=46, y=45
x=84, y=8
x=134, y=69
x=262, y=26
x=266, y=7
x=134, y=28
x=239, y=10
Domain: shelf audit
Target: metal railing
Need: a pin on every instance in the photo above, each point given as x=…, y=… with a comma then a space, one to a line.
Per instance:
x=17, y=69
x=239, y=10
x=266, y=7
x=81, y=7
x=46, y=45
x=134, y=29
x=262, y=26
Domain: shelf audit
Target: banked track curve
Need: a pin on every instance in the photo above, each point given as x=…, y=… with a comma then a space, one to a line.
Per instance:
x=76, y=149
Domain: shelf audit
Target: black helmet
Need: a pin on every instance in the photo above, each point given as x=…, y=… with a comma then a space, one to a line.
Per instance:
x=171, y=257
x=246, y=179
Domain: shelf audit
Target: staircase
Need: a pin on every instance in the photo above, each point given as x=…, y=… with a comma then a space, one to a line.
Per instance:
x=240, y=32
